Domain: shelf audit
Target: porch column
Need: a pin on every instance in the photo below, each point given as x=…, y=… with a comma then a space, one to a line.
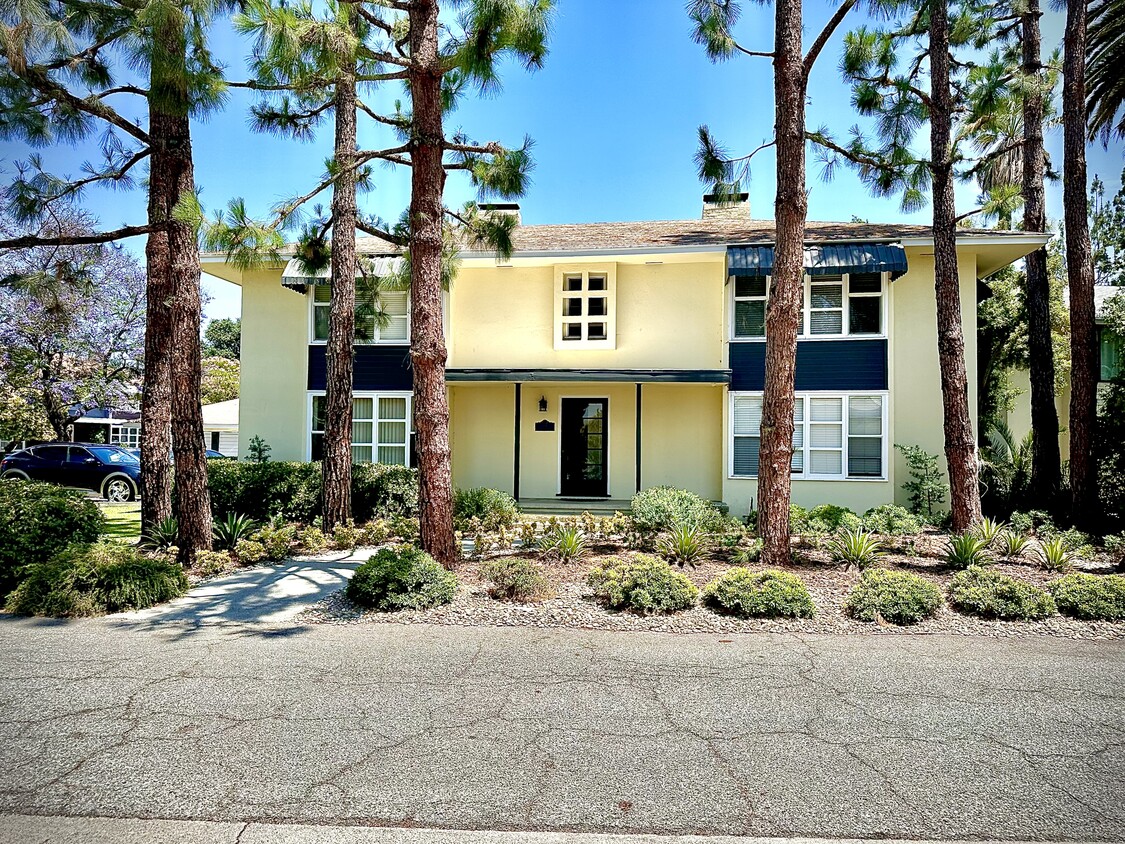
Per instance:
x=638, y=436
x=516, y=449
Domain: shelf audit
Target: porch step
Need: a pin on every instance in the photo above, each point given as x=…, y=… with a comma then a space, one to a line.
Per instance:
x=573, y=506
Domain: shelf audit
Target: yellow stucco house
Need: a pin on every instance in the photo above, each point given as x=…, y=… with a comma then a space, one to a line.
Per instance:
x=604, y=358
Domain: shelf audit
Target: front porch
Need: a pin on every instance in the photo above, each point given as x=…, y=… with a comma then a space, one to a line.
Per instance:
x=574, y=506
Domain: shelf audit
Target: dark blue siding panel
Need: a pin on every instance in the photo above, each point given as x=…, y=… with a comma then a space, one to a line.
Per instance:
x=821, y=365
x=376, y=368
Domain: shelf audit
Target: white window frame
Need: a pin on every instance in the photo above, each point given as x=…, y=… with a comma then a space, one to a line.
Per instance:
x=374, y=396
x=735, y=299
x=806, y=310
x=133, y=440
x=377, y=341
x=562, y=272
x=804, y=396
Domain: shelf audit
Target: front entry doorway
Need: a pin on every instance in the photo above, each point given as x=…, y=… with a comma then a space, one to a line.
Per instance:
x=583, y=437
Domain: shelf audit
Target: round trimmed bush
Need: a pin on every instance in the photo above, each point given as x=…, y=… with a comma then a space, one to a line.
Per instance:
x=643, y=584
x=899, y=597
x=983, y=592
x=763, y=594
x=38, y=520
x=516, y=579
x=85, y=580
x=493, y=507
x=402, y=578
x=1089, y=596
x=662, y=508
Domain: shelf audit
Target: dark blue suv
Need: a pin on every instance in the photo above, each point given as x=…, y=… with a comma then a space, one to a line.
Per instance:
x=108, y=470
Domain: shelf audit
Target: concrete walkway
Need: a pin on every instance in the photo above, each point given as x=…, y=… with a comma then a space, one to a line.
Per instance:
x=271, y=594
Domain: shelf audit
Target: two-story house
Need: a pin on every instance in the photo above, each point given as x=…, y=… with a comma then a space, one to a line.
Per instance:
x=604, y=358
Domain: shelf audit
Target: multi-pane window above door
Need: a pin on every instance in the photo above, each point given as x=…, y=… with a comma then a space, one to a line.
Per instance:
x=585, y=308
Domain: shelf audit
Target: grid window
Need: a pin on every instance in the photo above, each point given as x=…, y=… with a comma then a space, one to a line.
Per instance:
x=834, y=306
x=126, y=436
x=826, y=305
x=584, y=305
x=381, y=316
x=865, y=436
x=747, y=424
x=865, y=303
x=380, y=429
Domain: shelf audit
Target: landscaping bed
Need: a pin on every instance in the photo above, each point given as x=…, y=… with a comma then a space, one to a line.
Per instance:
x=575, y=604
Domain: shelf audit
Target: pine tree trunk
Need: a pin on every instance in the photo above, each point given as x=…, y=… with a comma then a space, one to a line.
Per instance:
x=960, y=444
x=156, y=389
x=1080, y=274
x=783, y=315
x=427, y=341
x=1045, y=460
x=336, y=465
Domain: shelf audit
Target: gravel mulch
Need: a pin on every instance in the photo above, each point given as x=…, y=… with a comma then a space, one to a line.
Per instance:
x=575, y=606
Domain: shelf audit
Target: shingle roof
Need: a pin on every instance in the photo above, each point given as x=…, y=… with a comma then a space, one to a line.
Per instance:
x=665, y=234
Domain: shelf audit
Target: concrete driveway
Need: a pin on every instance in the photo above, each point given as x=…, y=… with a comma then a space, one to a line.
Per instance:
x=412, y=726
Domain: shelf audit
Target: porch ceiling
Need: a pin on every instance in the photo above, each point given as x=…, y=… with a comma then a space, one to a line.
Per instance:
x=631, y=376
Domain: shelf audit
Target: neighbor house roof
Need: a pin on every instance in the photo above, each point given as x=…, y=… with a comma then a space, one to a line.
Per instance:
x=221, y=414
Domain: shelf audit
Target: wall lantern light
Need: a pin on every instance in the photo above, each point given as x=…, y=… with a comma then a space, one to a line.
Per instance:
x=542, y=404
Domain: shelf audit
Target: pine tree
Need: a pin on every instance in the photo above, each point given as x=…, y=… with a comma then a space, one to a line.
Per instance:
x=54, y=85
x=714, y=21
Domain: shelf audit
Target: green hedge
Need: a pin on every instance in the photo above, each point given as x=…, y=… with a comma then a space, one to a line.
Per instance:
x=662, y=508
x=85, y=580
x=37, y=520
x=402, y=578
x=643, y=584
x=1089, y=596
x=763, y=594
x=292, y=490
x=983, y=592
x=899, y=597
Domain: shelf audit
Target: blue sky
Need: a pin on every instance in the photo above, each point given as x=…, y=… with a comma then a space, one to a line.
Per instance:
x=613, y=113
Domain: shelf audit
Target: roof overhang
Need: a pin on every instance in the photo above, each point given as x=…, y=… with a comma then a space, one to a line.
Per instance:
x=630, y=376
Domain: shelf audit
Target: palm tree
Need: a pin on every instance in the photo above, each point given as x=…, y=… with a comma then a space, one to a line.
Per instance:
x=1105, y=79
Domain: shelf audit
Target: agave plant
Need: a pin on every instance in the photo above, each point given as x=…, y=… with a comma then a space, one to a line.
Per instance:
x=227, y=531
x=163, y=535
x=1014, y=544
x=855, y=548
x=967, y=549
x=564, y=544
x=685, y=543
x=1054, y=554
x=988, y=530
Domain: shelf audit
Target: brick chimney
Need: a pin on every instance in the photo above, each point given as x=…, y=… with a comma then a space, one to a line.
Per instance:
x=735, y=208
x=509, y=208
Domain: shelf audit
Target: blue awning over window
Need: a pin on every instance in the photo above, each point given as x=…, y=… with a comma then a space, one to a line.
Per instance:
x=823, y=259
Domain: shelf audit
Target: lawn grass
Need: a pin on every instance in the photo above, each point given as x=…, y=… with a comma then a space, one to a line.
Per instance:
x=123, y=521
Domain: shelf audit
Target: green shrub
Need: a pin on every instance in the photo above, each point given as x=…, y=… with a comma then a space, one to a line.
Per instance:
x=494, y=508
x=249, y=552
x=405, y=528
x=643, y=584
x=276, y=540
x=1089, y=596
x=346, y=536
x=927, y=487
x=763, y=594
x=37, y=520
x=209, y=563
x=892, y=520
x=966, y=549
x=751, y=552
x=229, y=530
x=85, y=580
x=661, y=508
x=683, y=544
x=822, y=520
x=983, y=592
x=895, y=596
x=516, y=579
x=1032, y=521
x=380, y=491
x=855, y=548
x=312, y=540
x=402, y=578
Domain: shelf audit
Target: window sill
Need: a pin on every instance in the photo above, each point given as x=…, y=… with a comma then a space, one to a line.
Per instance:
x=369, y=343
x=817, y=480
x=817, y=337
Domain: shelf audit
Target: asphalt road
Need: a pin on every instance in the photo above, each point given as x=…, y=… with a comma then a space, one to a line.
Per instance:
x=470, y=728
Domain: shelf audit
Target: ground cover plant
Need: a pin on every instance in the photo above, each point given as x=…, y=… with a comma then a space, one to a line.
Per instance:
x=1090, y=597
x=892, y=520
x=87, y=580
x=967, y=549
x=643, y=584
x=763, y=594
x=400, y=578
x=989, y=594
x=822, y=520
x=37, y=520
x=898, y=597
x=516, y=579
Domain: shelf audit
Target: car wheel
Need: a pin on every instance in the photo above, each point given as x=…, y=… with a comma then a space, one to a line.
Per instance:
x=118, y=488
x=16, y=475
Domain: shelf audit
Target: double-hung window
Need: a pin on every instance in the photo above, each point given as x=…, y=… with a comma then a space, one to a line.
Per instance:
x=847, y=305
x=380, y=429
x=585, y=308
x=381, y=316
x=835, y=437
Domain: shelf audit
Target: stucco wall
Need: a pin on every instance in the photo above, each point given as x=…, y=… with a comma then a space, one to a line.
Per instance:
x=681, y=437
x=1019, y=417
x=482, y=432
x=274, y=375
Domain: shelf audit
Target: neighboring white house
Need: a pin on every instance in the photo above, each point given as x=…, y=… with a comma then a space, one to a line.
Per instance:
x=220, y=427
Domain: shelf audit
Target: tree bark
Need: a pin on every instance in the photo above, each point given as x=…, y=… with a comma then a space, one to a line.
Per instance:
x=427, y=340
x=960, y=444
x=1045, y=460
x=783, y=314
x=336, y=464
x=1080, y=274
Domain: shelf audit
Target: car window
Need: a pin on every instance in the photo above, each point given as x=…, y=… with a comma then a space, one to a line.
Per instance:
x=78, y=455
x=51, y=452
x=115, y=456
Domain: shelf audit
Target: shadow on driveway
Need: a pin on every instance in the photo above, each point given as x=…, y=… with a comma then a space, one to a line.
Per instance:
x=268, y=595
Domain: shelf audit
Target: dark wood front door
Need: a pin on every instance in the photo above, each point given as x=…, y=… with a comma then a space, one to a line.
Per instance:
x=583, y=434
